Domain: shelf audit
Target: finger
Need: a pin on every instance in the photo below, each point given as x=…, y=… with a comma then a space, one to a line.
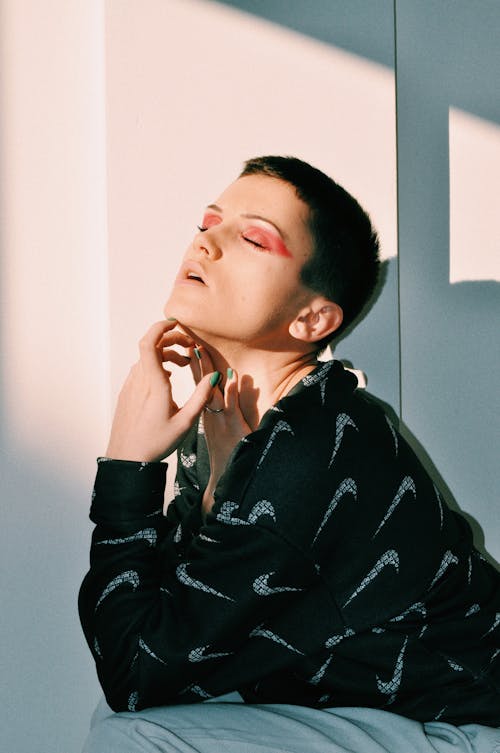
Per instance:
x=174, y=357
x=175, y=338
x=201, y=396
x=195, y=364
x=206, y=367
x=231, y=401
x=206, y=363
x=150, y=357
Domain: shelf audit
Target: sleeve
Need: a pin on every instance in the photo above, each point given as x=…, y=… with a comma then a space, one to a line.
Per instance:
x=172, y=618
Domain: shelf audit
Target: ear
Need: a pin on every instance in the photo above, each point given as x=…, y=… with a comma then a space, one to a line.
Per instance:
x=317, y=320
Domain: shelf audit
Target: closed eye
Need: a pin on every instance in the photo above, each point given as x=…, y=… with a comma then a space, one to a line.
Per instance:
x=254, y=243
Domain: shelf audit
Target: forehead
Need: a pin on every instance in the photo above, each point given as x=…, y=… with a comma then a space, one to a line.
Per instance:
x=274, y=200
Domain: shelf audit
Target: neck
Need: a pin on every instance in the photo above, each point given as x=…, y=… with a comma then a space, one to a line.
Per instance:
x=265, y=376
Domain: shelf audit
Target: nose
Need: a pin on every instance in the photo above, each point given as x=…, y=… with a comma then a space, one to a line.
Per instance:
x=206, y=244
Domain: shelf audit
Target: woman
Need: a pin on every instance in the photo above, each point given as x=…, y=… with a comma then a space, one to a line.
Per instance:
x=307, y=562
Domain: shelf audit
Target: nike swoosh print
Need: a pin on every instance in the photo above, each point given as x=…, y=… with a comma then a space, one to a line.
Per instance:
x=321, y=671
x=147, y=534
x=261, y=508
x=311, y=379
x=199, y=691
x=186, y=580
x=129, y=576
x=348, y=486
x=389, y=558
x=391, y=687
x=280, y=426
x=496, y=623
x=198, y=654
x=406, y=485
x=448, y=559
x=262, y=587
x=148, y=651
x=225, y=515
x=336, y=639
x=188, y=460
x=440, y=504
x=417, y=607
x=394, y=435
x=263, y=633
x=133, y=700
x=341, y=424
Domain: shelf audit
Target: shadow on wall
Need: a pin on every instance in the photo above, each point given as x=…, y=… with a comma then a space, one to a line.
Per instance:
x=448, y=56
x=45, y=661
x=362, y=28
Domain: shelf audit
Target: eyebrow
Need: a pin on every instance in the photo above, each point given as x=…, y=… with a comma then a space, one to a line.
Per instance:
x=252, y=217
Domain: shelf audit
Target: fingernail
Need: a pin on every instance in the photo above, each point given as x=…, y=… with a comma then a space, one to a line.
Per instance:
x=171, y=318
x=215, y=378
x=229, y=373
x=197, y=354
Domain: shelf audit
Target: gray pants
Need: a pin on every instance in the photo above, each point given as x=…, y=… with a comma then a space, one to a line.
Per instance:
x=229, y=726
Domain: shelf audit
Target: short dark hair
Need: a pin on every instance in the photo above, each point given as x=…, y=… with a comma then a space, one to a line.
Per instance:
x=345, y=262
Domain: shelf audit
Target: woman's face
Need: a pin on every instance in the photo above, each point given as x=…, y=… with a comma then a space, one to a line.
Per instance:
x=239, y=280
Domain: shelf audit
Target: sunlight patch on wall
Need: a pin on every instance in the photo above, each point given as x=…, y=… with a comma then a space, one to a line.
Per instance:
x=474, y=198
x=193, y=89
x=54, y=255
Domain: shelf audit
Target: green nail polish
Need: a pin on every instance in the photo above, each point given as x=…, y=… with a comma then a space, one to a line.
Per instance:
x=214, y=379
x=229, y=373
x=197, y=354
x=171, y=318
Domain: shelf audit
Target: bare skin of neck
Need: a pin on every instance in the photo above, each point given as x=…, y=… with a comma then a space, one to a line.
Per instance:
x=265, y=375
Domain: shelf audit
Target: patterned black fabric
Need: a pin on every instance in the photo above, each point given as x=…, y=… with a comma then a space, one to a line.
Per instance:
x=329, y=572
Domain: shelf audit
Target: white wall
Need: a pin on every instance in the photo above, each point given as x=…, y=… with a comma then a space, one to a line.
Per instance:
x=55, y=360
x=448, y=68
x=119, y=120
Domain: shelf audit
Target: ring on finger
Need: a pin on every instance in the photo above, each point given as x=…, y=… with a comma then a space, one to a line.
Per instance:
x=214, y=410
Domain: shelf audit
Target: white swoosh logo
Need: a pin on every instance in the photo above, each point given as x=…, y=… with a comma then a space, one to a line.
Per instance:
x=188, y=460
x=262, y=588
x=280, y=426
x=348, y=486
x=391, y=687
x=496, y=623
x=184, y=578
x=198, y=654
x=311, y=379
x=393, y=432
x=148, y=534
x=341, y=424
x=321, y=671
x=406, y=485
x=336, y=639
x=132, y=700
x=151, y=653
x=440, y=503
x=199, y=691
x=388, y=558
x=225, y=514
x=129, y=576
x=261, y=508
x=263, y=633
x=448, y=559
x=417, y=607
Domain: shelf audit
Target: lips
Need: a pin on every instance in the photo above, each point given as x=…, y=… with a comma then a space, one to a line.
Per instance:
x=192, y=272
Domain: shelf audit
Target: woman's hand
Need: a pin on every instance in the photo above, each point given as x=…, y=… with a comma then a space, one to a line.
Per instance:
x=223, y=421
x=148, y=424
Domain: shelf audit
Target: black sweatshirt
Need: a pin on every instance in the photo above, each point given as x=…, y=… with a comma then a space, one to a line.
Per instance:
x=329, y=572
